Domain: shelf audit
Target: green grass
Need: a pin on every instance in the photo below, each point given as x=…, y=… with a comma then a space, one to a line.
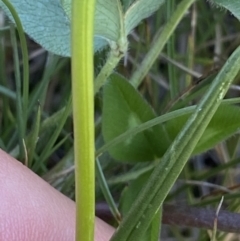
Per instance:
x=42, y=115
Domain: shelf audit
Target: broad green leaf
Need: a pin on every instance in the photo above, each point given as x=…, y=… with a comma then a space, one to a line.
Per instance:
x=156, y=121
x=123, y=109
x=99, y=44
x=175, y=120
x=67, y=7
x=49, y=25
x=225, y=123
x=110, y=14
x=49, y=22
x=107, y=19
x=139, y=10
x=46, y=22
x=232, y=5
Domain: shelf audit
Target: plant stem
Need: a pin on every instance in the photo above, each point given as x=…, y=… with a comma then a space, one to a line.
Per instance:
x=83, y=116
x=111, y=63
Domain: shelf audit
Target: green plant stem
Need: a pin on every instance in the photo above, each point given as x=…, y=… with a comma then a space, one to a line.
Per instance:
x=111, y=63
x=159, y=43
x=164, y=176
x=83, y=116
x=117, y=51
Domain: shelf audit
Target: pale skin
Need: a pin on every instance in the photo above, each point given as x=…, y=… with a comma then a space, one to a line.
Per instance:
x=30, y=209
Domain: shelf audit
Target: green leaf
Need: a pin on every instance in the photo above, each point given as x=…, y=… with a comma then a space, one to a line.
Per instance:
x=123, y=109
x=107, y=19
x=225, y=123
x=49, y=25
x=110, y=15
x=233, y=6
x=67, y=7
x=49, y=22
x=46, y=22
x=174, y=120
x=139, y=10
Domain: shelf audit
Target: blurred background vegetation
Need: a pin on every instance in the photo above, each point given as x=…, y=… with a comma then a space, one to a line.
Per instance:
x=197, y=50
